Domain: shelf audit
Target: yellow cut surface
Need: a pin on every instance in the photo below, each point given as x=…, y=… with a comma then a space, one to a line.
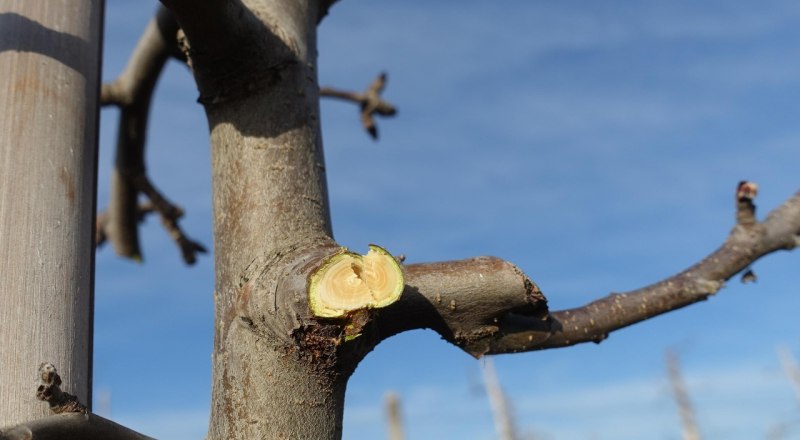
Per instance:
x=347, y=281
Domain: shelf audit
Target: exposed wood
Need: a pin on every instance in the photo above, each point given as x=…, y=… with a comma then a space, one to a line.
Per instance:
x=49, y=85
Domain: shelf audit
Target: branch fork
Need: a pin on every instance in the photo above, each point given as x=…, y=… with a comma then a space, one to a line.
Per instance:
x=370, y=102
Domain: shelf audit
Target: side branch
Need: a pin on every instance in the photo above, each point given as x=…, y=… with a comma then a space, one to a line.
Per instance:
x=487, y=306
x=70, y=426
x=465, y=301
x=747, y=242
x=370, y=102
x=132, y=92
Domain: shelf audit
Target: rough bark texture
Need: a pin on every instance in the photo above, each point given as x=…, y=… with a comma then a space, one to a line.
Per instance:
x=49, y=81
x=278, y=371
x=274, y=376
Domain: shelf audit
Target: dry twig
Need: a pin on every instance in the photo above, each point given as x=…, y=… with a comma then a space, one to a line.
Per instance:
x=488, y=306
x=370, y=102
x=132, y=93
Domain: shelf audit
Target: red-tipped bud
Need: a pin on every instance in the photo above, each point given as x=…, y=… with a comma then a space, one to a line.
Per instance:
x=746, y=190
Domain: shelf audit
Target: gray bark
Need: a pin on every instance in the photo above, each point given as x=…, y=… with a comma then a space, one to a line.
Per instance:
x=49, y=84
x=270, y=200
x=278, y=371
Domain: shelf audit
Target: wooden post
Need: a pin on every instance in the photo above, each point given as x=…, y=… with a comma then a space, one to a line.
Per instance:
x=49, y=85
x=502, y=414
x=685, y=408
x=394, y=419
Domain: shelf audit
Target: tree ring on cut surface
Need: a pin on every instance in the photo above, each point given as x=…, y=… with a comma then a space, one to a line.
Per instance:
x=347, y=282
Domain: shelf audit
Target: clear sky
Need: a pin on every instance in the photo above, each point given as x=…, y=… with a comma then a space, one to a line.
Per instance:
x=597, y=145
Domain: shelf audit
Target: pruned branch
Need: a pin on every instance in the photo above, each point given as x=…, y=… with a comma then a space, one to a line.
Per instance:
x=132, y=92
x=488, y=306
x=468, y=302
x=370, y=102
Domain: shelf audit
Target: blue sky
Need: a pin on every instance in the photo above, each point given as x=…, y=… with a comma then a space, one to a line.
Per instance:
x=596, y=145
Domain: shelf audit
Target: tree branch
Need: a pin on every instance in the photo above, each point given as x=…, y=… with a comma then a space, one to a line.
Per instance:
x=465, y=301
x=133, y=92
x=487, y=306
x=747, y=242
x=370, y=102
x=70, y=426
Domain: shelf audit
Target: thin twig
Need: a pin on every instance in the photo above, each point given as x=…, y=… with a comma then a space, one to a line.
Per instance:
x=370, y=102
x=487, y=306
x=132, y=92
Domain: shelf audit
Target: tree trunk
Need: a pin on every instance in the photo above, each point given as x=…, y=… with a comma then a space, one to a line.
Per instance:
x=49, y=84
x=270, y=208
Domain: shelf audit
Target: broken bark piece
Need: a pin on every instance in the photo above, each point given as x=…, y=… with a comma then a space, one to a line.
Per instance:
x=347, y=282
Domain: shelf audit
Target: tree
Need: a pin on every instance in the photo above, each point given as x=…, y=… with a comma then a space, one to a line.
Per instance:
x=272, y=220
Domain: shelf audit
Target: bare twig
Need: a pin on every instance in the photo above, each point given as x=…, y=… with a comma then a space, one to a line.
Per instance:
x=49, y=390
x=169, y=214
x=370, y=102
x=501, y=413
x=487, y=306
x=132, y=92
x=393, y=417
x=688, y=420
x=143, y=209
